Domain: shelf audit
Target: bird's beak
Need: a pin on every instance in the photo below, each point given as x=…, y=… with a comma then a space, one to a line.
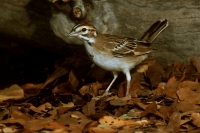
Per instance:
x=72, y=33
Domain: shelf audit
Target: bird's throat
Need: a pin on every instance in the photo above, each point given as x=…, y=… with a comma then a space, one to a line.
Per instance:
x=90, y=40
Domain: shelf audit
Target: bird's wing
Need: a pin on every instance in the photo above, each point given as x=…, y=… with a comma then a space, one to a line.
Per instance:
x=128, y=46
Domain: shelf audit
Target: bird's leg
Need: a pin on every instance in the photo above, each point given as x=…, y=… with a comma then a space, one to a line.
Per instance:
x=115, y=74
x=128, y=78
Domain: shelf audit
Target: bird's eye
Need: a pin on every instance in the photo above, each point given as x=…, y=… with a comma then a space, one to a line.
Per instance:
x=84, y=29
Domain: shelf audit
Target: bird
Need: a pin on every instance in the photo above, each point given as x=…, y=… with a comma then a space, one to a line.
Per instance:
x=114, y=53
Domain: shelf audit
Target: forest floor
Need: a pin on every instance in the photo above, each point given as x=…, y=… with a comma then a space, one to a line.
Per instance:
x=42, y=92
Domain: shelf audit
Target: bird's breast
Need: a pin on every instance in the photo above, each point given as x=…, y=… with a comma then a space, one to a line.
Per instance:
x=107, y=61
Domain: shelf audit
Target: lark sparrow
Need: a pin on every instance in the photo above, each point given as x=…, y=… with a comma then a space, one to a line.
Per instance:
x=117, y=54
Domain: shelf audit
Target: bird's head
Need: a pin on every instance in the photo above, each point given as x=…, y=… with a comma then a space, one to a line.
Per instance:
x=84, y=32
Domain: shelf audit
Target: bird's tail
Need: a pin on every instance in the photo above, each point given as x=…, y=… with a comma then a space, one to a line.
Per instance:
x=154, y=30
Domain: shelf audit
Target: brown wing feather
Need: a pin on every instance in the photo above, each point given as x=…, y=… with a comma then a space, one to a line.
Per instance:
x=129, y=46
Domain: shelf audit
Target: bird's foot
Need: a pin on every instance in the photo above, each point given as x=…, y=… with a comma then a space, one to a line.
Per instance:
x=105, y=94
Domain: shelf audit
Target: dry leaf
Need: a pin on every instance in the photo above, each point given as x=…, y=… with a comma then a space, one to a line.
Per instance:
x=171, y=88
x=118, y=102
x=155, y=74
x=15, y=114
x=150, y=109
x=42, y=108
x=73, y=120
x=89, y=109
x=166, y=111
x=87, y=128
x=135, y=88
x=120, y=111
x=31, y=89
x=98, y=73
x=73, y=80
x=13, y=92
x=53, y=125
x=196, y=63
x=24, y=131
x=30, y=86
x=190, y=84
x=196, y=119
x=37, y=124
x=12, y=120
x=177, y=65
x=113, y=122
x=186, y=106
x=91, y=89
x=142, y=68
x=174, y=123
x=63, y=89
x=60, y=71
x=186, y=94
x=121, y=90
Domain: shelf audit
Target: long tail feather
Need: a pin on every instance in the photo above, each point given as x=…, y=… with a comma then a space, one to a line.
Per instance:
x=154, y=30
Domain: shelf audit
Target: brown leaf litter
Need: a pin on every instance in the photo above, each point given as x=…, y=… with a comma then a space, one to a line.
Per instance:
x=164, y=99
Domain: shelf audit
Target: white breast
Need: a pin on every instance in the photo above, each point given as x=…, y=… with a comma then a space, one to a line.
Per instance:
x=111, y=63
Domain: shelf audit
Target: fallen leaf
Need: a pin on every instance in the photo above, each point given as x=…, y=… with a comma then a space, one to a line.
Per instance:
x=4, y=113
x=24, y=131
x=150, y=109
x=190, y=84
x=73, y=120
x=155, y=74
x=63, y=89
x=135, y=113
x=13, y=92
x=144, y=92
x=186, y=106
x=160, y=89
x=196, y=119
x=119, y=101
x=196, y=63
x=113, y=122
x=135, y=88
x=121, y=90
x=141, y=105
x=68, y=105
x=53, y=125
x=98, y=73
x=12, y=120
x=186, y=94
x=120, y=111
x=31, y=86
x=89, y=109
x=177, y=65
x=45, y=107
x=15, y=114
x=60, y=71
x=166, y=111
x=37, y=124
x=31, y=89
x=91, y=89
x=174, y=122
x=42, y=108
x=170, y=88
x=87, y=128
x=8, y=130
x=73, y=80
x=142, y=68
